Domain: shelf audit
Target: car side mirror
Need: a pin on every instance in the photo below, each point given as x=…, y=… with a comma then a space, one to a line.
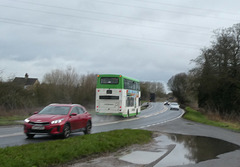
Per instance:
x=73, y=114
x=35, y=112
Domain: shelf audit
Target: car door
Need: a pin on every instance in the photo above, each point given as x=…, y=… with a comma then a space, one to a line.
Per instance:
x=83, y=117
x=74, y=118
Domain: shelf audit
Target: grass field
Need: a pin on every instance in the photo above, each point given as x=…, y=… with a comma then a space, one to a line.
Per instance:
x=196, y=116
x=62, y=151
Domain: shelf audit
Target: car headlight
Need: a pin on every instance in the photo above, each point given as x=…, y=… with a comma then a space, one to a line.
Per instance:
x=27, y=120
x=57, y=121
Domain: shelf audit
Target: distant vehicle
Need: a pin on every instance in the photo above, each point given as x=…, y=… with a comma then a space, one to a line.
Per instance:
x=174, y=106
x=117, y=95
x=58, y=119
x=152, y=97
x=166, y=103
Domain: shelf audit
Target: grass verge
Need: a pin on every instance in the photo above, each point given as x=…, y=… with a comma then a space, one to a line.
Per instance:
x=62, y=151
x=11, y=120
x=196, y=116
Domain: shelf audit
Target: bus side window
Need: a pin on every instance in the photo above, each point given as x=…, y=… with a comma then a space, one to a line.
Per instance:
x=138, y=86
x=126, y=84
x=130, y=102
x=134, y=85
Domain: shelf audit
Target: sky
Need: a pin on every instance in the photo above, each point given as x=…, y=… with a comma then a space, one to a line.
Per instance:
x=150, y=40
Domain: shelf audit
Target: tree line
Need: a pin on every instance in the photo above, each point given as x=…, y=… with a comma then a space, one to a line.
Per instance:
x=61, y=86
x=214, y=82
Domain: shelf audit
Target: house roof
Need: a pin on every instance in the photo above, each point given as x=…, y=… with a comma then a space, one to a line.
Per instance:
x=24, y=81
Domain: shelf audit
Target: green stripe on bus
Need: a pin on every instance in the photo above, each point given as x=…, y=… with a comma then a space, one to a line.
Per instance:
x=116, y=114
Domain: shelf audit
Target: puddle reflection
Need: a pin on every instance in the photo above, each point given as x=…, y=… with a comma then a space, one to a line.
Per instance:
x=192, y=149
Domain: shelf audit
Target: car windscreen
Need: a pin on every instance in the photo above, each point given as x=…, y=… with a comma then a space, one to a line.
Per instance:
x=55, y=110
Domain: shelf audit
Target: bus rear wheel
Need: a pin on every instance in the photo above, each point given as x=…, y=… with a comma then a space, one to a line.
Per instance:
x=136, y=112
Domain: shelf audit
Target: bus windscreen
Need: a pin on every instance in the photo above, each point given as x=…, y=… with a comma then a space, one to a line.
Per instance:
x=109, y=80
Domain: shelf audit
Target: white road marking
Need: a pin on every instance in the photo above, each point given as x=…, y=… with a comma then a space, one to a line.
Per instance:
x=12, y=134
x=142, y=127
x=146, y=116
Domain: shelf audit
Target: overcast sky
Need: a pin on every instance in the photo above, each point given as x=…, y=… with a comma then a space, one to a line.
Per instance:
x=150, y=40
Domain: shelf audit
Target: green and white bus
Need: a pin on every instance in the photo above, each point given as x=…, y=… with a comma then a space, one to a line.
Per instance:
x=117, y=95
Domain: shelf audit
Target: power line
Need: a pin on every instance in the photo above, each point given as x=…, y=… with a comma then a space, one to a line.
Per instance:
x=112, y=15
x=101, y=34
x=188, y=7
x=108, y=21
x=163, y=10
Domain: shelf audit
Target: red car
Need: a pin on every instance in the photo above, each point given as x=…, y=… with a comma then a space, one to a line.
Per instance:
x=59, y=119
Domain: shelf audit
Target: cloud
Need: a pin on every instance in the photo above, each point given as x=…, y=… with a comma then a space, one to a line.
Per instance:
x=145, y=40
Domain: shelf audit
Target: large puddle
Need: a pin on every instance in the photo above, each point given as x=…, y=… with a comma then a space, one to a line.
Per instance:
x=192, y=149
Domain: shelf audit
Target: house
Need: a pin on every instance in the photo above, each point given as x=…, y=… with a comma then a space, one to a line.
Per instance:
x=26, y=82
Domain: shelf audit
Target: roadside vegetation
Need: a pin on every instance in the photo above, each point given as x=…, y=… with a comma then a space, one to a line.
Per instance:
x=63, y=151
x=213, y=85
x=12, y=120
x=196, y=116
x=57, y=86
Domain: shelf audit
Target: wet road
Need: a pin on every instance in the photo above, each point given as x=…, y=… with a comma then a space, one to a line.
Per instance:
x=178, y=143
x=156, y=114
x=206, y=146
x=195, y=145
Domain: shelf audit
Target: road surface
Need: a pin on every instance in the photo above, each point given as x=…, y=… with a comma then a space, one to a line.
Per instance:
x=157, y=118
x=157, y=113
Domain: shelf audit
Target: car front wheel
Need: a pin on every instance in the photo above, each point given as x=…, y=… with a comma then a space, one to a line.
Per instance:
x=66, y=131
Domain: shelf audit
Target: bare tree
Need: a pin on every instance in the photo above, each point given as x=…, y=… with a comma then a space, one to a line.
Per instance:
x=62, y=84
x=1, y=72
x=69, y=77
x=152, y=87
x=178, y=84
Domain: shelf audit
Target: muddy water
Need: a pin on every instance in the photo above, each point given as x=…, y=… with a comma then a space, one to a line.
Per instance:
x=192, y=149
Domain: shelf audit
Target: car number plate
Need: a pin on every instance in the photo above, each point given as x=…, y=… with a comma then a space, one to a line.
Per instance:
x=38, y=127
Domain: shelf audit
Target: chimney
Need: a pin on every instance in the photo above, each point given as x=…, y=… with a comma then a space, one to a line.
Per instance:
x=26, y=76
